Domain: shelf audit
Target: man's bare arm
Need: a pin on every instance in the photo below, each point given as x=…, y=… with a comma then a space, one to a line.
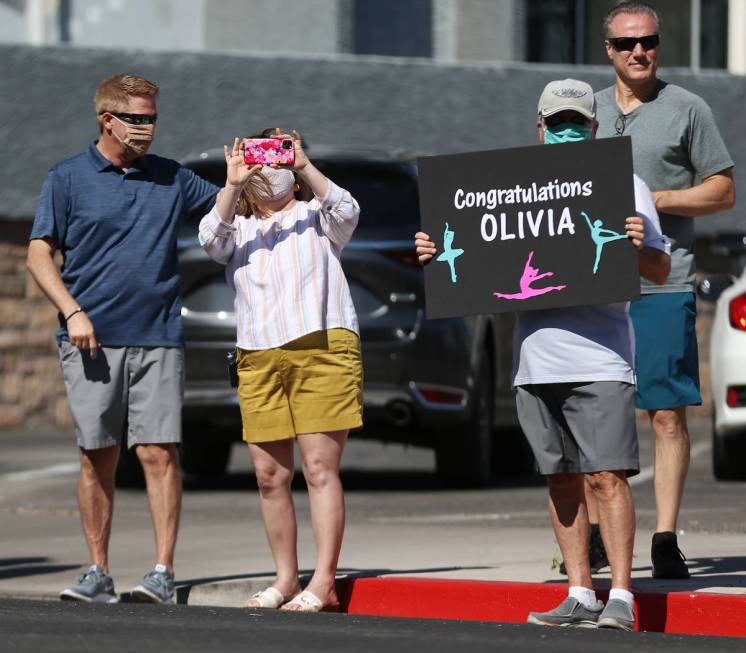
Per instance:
x=41, y=265
x=655, y=265
x=716, y=193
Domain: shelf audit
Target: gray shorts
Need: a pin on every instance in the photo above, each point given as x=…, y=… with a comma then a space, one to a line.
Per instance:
x=577, y=428
x=132, y=390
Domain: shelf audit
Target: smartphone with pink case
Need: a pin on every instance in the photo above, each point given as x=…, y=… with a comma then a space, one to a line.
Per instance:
x=269, y=151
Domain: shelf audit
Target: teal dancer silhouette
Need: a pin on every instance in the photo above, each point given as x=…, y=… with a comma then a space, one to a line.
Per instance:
x=449, y=254
x=599, y=239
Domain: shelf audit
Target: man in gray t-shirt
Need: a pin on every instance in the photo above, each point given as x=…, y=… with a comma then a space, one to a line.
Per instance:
x=678, y=152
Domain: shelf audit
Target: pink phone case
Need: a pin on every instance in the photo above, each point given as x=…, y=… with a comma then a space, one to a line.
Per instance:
x=268, y=151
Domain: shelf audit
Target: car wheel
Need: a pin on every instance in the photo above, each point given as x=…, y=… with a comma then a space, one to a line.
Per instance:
x=728, y=457
x=129, y=470
x=201, y=454
x=512, y=454
x=465, y=460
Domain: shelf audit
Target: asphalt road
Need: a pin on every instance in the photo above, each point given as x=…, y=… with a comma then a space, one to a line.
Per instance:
x=27, y=626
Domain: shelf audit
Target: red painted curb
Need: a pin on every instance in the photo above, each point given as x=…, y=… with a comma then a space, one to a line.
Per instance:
x=690, y=613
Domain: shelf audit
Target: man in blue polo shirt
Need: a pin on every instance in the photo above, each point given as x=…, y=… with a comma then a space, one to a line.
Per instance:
x=113, y=211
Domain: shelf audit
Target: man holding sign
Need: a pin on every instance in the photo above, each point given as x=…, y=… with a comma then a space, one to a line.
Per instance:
x=574, y=380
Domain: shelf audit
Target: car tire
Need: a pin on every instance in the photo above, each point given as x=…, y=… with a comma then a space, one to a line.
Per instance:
x=465, y=460
x=129, y=469
x=728, y=456
x=203, y=455
x=512, y=454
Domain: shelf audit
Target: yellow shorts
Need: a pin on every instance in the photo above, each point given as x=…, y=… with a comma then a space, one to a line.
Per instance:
x=311, y=385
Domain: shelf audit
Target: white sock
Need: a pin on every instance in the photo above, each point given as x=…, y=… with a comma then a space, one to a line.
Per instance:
x=583, y=595
x=622, y=595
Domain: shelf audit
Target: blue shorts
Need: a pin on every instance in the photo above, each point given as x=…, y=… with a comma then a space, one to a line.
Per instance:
x=666, y=355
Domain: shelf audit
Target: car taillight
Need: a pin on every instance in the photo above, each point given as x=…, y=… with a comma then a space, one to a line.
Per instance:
x=443, y=397
x=735, y=397
x=406, y=256
x=737, y=311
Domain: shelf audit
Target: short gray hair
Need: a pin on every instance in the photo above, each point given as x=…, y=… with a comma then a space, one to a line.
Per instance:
x=630, y=8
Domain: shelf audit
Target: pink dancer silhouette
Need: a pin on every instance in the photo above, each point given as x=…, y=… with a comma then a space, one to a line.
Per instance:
x=529, y=276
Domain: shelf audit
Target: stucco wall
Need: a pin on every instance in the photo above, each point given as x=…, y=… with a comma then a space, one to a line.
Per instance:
x=46, y=105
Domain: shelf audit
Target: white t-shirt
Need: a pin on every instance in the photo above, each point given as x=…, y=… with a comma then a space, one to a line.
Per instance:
x=583, y=343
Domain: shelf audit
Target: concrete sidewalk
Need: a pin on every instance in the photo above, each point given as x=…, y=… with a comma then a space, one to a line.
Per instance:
x=421, y=570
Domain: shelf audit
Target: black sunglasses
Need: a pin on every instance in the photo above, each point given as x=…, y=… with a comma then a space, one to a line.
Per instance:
x=134, y=118
x=628, y=43
x=621, y=124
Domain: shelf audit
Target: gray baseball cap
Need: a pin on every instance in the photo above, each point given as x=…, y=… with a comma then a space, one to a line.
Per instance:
x=567, y=95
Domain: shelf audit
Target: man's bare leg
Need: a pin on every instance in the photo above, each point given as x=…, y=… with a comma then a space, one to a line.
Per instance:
x=616, y=512
x=163, y=479
x=96, y=500
x=570, y=522
x=671, y=464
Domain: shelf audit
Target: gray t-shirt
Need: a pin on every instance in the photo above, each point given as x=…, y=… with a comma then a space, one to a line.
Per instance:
x=675, y=144
x=583, y=343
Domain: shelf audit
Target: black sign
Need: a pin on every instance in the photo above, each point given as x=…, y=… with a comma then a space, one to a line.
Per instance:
x=529, y=228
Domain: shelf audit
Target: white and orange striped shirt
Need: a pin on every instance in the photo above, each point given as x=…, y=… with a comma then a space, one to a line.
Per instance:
x=285, y=269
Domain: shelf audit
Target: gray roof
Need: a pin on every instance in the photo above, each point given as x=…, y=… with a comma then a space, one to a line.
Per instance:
x=395, y=105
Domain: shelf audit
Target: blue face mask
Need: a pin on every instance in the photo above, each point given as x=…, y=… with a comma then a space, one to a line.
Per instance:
x=566, y=132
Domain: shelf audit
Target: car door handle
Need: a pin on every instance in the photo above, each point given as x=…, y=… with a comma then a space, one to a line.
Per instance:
x=402, y=297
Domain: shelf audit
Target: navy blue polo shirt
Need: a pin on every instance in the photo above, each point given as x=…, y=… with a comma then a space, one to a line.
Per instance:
x=117, y=234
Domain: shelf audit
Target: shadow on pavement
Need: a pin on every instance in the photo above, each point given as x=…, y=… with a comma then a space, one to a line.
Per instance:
x=345, y=576
x=342, y=573
x=725, y=571
x=32, y=566
x=12, y=562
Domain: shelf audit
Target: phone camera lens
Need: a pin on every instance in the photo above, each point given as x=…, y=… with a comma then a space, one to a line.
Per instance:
x=287, y=145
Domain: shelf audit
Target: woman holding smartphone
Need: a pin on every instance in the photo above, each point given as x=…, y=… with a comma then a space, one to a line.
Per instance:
x=298, y=352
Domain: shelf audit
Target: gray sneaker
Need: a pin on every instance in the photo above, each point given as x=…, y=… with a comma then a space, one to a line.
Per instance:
x=570, y=612
x=157, y=587
x=94, y=586
x=617, y=614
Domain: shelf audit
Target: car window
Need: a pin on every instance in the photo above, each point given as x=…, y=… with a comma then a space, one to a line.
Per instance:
x=387, y=194
x=210, y=296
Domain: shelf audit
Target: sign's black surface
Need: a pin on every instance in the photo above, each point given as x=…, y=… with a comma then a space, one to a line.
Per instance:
x=529, y=228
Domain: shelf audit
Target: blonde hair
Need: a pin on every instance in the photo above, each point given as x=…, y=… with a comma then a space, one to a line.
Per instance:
x=114, y=92
x=250, y=202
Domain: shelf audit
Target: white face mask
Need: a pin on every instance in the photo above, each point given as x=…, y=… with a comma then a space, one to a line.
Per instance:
x=280, y=180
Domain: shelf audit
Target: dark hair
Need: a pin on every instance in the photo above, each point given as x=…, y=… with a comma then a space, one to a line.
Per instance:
x=628, y=7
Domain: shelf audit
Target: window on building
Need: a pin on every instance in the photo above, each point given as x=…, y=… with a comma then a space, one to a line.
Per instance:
x=714, y=35
x=676, y=19
x=400, y=28
x=550, y=28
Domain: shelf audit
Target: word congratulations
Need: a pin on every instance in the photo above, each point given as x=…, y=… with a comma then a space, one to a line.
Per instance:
x=553, y=190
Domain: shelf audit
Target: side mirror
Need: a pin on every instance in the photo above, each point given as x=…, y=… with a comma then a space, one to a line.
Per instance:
x=711, y=287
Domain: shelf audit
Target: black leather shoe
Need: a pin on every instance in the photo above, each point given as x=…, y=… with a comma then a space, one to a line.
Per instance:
x=668, y=560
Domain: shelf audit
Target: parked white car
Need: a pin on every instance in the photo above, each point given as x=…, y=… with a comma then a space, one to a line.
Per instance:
x=728, y=379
